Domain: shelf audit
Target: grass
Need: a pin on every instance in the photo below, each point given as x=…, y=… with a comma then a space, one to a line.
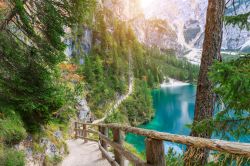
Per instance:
x=11, y=157
x=12, y=128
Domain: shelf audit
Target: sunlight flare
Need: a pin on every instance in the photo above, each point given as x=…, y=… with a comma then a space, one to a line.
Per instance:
x=145, y=3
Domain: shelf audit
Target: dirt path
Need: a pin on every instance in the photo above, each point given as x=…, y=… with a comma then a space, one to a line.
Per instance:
x=88, y=154
x=84, y=154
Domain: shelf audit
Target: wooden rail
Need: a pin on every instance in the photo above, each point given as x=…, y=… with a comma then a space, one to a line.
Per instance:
x=154, y=143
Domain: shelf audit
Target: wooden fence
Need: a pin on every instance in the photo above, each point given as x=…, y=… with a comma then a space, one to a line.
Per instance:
x=155, y=155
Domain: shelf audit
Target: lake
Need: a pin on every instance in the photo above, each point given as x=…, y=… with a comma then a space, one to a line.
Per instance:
x=174, y=109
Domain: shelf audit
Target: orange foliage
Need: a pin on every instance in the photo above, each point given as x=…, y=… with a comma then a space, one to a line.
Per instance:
x=72, y=77
x=3, y=4
x=144, y=78
x=69, y=72
x=68, y=67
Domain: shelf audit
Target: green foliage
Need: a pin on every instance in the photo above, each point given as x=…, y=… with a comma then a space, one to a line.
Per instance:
x=240, y=20
x=134, y=151
x=138, y=107
x=167, y=66
x=106, y=67
x=102, y=85
x=171, y=158
x=12, y=128
x=81, y=11
x=234, y=15
x=50, y=161
x=114, y=56
x=229, y=75
x=228, y=159
x=174, y=159
x=231, y=83
x=31, y=49
x=117, y=117
x=10, y=157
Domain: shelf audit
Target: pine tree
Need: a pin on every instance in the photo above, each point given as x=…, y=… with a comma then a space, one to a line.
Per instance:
x=231, y=82
x=205, y=97
x=31, y=48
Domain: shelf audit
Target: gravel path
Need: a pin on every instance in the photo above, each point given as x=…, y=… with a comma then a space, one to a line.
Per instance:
x=84, y=154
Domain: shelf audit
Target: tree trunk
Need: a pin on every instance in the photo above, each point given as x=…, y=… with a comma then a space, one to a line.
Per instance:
x=205, y=98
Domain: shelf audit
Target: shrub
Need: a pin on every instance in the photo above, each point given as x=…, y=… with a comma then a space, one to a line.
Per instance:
x=12, y=157
x=12, y=129
x=50, y=161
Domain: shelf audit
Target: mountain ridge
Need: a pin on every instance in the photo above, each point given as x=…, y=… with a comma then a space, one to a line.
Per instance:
x=186, y=27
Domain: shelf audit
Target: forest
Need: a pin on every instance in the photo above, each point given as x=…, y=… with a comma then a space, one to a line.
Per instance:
x=40, y=85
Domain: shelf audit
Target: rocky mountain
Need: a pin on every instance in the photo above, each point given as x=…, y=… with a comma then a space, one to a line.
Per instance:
x=178, y=25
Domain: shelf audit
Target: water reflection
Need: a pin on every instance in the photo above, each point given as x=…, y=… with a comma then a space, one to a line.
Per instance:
x=174, y=109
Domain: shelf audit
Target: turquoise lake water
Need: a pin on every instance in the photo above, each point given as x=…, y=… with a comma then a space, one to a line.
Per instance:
x=174, y=109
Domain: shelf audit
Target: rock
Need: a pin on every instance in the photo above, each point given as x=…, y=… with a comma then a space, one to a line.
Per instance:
x=180, y=24
x=50, y=148
x=82, y=102
x=32, y=159
x=44, y=141
x=58, y=134
x=191, y=30
x=84, y=110
x=81, y=45
x=29, y=152
x=36, y=158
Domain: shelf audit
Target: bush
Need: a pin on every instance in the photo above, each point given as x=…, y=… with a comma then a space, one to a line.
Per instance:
x=12, y=129
x=12, y=157
x=50, y=161
x=117, y=117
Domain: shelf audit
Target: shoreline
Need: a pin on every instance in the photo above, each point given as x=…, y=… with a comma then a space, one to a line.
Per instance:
x=173, y=83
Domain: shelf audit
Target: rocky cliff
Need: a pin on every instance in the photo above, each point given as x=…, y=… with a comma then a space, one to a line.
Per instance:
x=178, y=25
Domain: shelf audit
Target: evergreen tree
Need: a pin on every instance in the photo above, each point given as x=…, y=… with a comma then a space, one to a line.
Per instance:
x=31, y=48
x=205, y=98
x=231, y=82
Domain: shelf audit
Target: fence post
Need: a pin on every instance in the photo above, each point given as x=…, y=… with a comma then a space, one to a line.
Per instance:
x=76, y=130
x=104, y=131
x=85, y=134
x=118, y=138
x=100, y=130
x=155, y=152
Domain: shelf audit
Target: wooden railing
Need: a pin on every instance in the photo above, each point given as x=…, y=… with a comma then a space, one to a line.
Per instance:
x=155, y=155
